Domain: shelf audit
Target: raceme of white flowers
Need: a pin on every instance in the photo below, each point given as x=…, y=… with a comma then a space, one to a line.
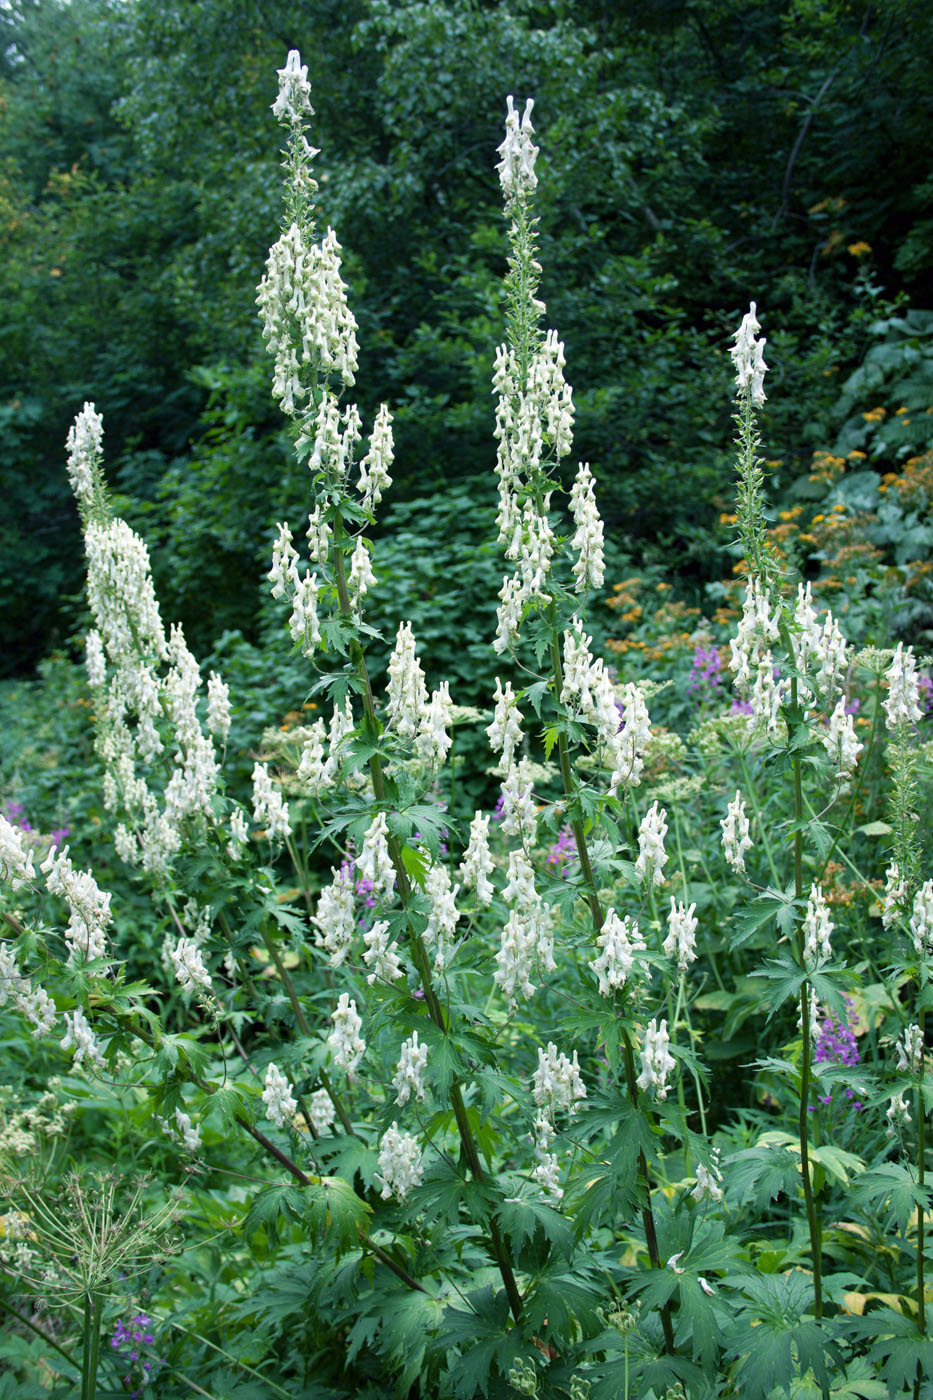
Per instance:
x=652, y=857
x=621, y=945
x=656, y=1061
x=346, y=1044
x=736, y=837
x=408, y=1081
x=277, y=1096
x=681, y=937
x=401, y=1165
x=902, y=704
x=817, y=929
x=921, y=920
x=748, y=358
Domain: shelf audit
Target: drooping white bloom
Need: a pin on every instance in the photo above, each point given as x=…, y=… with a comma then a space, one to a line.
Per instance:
x=239, y=834
x=374, y=468
x=284, y=572
x=840, y=741
x=589, y=568
x=407, y=692
x=656, y=1060
x=88, y=905
x=556, y=1083
x=318, y=536
x=321, y=1110
x=709, y=1181
x=519, y=813
x=736, y=838
x=443, y=917
x=509, y=613
x=621, y=944
x=380, y=954
x=902, y=705
x=346, y=1044
x=477, y=866
x=374, y=863
x=817, y=929
x=294, y=98
x=505, y=732
x=335, y=919
x=189, y=965
x=95, y=661
x=652, y=857
x=304, y=625
x=401, y=1165
x=85, y=443
x=520, y=880
x=218, y=707
x=517, y=166
x=898, y=1114
x=16, y=865
x=278, y=1098
x=910, y=1051
x=632, y=740
x=78, y=1035
x=921, y=920
x=190, y=1133
x=758, y=627
x=895, y=893
x=38, y=1008
x=269, y=808
x=408, y=1080
x=362, y=578
x=547, y=1175
x=748, y=358
x=681, y=938
x=434, y=741
x=526, y=941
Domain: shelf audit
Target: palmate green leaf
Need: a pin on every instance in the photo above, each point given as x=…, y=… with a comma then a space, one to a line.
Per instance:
x=333, y=1211
x=890, y=1187
x=484, y=1334
x=414, y=1318
x=271, y=1203
x=785, y=979
x=900, y=1348
x=762, y=1172
x=775, y=1340
x=521, y=1219
x=558, y=1298
x=770, y=904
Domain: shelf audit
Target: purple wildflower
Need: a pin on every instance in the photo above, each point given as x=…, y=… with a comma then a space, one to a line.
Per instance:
x=704, y=674
x=741, y=707
x=836, y=1045
x=563, y=851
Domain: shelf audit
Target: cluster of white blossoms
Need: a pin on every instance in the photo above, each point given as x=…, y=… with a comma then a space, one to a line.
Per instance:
x=88, y=905
x=681, y=938
x=408, y=1080
x=589, y=569
x=183, y=1127
x=589, y=694
x=294, y=99
x=321, y=1111
x=902, y=704
x=218, y=707
x=527, y=939
x=32, y=1001
x=188, y=962
x=79, y=1037
x=401, y=1165
x=374, y=468
x=16, y=866
x=748, y=357
x=910, y=1051
x=280, y=1102
x=477, y=864
x=519, y=813
x=619, y=960
x=335, y=918
x=443, y=915
x=652, y=857
x=346, y=1044
x=656, y=1060
x=408, y=710
x=85, y=444
x=736, y=837
x=270, y=810
x=898, y=1114
x=817, y=929
x=380, y=954
x=374, y=862
x=519, y=153
x=752, y=659
x=505, y=732
x=709, y=1181
x=895, y=894
x=557, y=1087
x=921, y=920
x=316, y=773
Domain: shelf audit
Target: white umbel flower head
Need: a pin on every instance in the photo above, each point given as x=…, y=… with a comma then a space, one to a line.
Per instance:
x=748, y=358
x=517, y=166
x=278, y=1098
x=401, y=1165
x=621, y=945
x=656, y=1060
x=346, y=1044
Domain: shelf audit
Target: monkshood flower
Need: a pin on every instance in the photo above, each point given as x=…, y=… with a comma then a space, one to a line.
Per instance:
x=621, y=947
x=380, y=954
x=434, y=741
x=589, y=569
x=407, y=692
x=189, y=965
x=840, y=742
x=16, y=865
x=505, y=732
x=269, y=808
x=85, y=445
x=401, y=1165
x=921, y=920
x=346, y=1044
x=898, y=1115
x=335, y=919
x=656, y=1061
x=88, y=905
x=443, y=917
x=321, y=1110
x=517, y=166
x=709, y=1181
x=736, y=839
x=477, y=865
x=902, y=705
x=817, y=929
x=652, y=857
x=556, y=1083
x=218, y=707
x=80, y=1038
x=189, y=1132
x=33, y=1002
x=374, y=468
x=910, y=1051
x=895, y=894
x=278, y=1098
x=374, y=862
x=748, y=357
x=681, y=938
x=408, y=1080
x=294, y=99
x=632, y=739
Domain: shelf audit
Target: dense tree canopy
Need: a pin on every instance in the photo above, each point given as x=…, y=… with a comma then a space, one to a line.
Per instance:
x=699, y=154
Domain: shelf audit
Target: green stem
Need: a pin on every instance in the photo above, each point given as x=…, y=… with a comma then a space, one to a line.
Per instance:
x=93, y=1304
x=921, y=1176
